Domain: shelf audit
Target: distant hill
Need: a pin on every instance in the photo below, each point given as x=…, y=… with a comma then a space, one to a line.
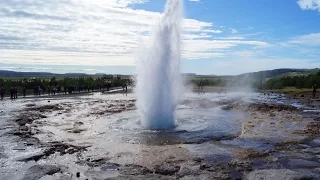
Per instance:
x=265, y=74
x=37, y=74
x=189, y=74
x=14, y=73
x=76, y=74
x=280, y=72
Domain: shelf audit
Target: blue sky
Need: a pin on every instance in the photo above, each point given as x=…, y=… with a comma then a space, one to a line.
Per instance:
x=219, y=37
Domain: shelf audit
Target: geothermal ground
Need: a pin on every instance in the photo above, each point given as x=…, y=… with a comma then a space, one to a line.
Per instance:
x=218, y=136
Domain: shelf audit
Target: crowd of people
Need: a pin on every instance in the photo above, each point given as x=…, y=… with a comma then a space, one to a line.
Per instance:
x=53, y=90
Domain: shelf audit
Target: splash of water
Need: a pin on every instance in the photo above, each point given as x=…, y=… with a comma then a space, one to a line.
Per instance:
x=158, y=71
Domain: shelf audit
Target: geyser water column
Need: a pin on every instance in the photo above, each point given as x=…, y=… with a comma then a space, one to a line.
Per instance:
x=158, y=71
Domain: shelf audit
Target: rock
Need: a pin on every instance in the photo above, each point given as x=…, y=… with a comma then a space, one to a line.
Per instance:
x=315, y=142
x=78, y=174
x=133, y=169
x=32, y=141
x=28, y=118
x=20, y=147
x=241, y=165
x=76, y=130
x=312, y=150
x=189, y=169
x=166, y=169
x=38, y=171
x=46, y=108
x=279, y=174
x=139, y=177
x=109, y=166
x=198, y=177
x=33, y=157
x=301, y=163
x=197, y=159
x=3, y=155
x=30, y=105
x=227, y=107
x=64, y=148
x=301, y=95
x=211, y=175
x=316, y=170
x=251, y=154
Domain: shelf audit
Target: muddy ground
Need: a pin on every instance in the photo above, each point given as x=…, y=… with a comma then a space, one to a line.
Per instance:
x=55, y=140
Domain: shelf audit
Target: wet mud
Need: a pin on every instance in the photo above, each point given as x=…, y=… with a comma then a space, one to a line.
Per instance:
x=101, y=137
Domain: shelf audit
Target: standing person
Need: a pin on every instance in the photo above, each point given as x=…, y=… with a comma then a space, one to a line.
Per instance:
x=1, y=93
x=15, y=90
x=39, y=90
x=200, y=86
x=58, y=89
x=126, y=89
x=11, y=92
x=24, y=91
x=54, y=90
x=314, y=90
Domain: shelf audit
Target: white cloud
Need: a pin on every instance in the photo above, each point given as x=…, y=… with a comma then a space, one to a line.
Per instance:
x=194, y=0
x=309, y=39
x=233, y=31
x=88, y=32
x=233, y=37
x=309, y=4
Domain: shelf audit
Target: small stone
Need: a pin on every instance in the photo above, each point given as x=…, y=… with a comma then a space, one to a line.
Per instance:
x=302, y=163
x=166, y=169
x=133, y=169
x=38, y=171
x=316, y=142
x=271, y=174
x=33, y=157
x=78, y=174
x=316, y=170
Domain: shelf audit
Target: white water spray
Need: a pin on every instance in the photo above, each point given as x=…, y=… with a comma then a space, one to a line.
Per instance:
x=159, y=80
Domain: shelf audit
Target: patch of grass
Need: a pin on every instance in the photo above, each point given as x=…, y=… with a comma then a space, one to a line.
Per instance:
x=291, y=90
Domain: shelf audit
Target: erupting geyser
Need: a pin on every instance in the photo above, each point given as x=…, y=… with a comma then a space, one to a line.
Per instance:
x=158, y=69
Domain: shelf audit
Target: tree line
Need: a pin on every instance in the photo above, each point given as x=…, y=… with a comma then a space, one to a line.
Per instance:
x=303, y=81
x=62, y=84
x=258, y=81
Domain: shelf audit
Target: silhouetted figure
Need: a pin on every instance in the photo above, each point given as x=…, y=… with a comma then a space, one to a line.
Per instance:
x=11, y=93
x=24, y=91
x=35, y=91
x=54, y=90
x=200, y=86
x=2, y=93
x=70, y=88
x=314, y=90
x=126, y=89
x=39, y=90
x=15, y=93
